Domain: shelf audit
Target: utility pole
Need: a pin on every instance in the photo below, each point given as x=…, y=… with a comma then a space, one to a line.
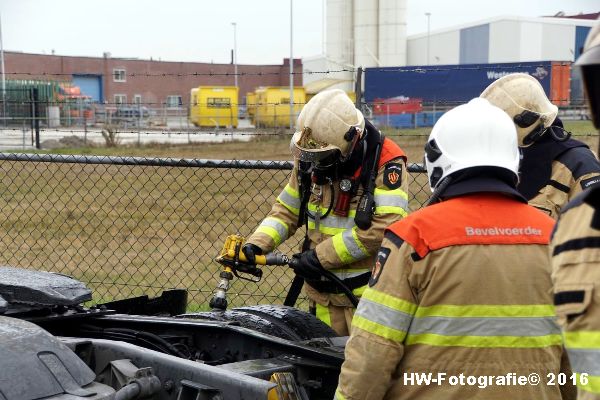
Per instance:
x=291, y=64
x=235, y=72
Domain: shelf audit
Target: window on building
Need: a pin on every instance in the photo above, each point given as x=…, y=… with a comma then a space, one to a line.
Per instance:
x=137, y=99
x=218, y=102
x=119, y=75
x=174, y=101
x=120, y=99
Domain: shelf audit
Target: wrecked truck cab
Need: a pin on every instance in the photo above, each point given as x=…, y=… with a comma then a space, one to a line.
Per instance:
x=55, y=348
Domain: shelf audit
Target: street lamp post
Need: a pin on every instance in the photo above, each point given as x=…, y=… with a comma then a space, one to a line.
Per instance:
x=428, y=14
x=235, y=73
x=291, y=64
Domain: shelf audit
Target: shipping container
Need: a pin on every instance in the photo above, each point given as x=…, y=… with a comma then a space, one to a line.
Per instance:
x=397, y=105
x=457, y=84
x=214, y=106
x=59, y=102
x=273, y=106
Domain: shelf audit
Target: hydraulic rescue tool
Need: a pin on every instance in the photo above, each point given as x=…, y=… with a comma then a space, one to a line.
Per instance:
x=236, y=264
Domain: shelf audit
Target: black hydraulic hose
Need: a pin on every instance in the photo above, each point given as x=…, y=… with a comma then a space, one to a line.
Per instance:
x=132, y=338
x=148, y=338
x=152, y=338
x=345, y=289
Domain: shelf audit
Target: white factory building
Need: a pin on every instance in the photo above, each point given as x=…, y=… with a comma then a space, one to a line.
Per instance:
x=499, y=40
x=372, y=33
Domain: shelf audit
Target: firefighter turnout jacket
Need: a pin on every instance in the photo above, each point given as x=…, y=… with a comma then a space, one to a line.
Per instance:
x=343, y=248
x=553, y=172
x=459, y=287
x=575, y=253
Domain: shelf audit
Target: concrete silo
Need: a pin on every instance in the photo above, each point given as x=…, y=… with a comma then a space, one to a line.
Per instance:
x=367, y=33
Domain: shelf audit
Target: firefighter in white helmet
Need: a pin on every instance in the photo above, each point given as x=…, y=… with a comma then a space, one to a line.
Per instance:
x=460, y=287
x=576, y=254
x=347, y=185
x=554, y=168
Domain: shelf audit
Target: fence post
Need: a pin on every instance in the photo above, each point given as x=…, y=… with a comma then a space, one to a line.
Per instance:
x=35, y=114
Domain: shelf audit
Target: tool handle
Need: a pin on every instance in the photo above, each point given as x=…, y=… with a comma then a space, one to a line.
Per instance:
x=268, y=259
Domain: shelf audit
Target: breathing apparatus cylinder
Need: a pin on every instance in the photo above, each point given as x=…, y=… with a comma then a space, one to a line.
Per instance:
x=342, y=205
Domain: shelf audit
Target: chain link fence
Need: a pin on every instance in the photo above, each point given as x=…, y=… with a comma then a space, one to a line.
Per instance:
x=132, y=226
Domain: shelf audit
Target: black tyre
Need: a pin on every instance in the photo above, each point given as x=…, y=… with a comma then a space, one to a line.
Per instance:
x=304, y=325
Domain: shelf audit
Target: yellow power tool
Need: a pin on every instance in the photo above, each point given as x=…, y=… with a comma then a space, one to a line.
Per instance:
x=235, y=263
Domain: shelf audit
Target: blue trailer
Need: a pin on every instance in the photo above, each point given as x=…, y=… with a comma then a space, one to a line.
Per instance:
x=455, y=84
x=444, y=86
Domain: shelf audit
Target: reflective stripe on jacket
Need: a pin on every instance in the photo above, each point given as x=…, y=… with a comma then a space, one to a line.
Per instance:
x=341, y=246
x=572, y=172
x=575, y=250
x=460, y=287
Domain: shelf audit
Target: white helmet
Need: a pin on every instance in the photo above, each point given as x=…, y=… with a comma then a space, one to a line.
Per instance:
x=476, y=134
x=328, y=124
x=589, y=62
x=524, y=100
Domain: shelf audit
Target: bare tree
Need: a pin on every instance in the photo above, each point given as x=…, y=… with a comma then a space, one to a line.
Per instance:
x=111, y=136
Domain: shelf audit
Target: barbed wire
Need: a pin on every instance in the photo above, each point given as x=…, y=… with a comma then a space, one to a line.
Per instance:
x=164, y=105
x=419, y=69
x=249, y=132
x=229, y=132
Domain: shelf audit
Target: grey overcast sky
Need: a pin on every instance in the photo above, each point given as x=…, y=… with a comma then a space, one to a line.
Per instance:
x=201, y=30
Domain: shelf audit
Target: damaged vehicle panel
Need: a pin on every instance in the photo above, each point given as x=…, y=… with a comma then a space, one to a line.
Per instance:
x=54, y=348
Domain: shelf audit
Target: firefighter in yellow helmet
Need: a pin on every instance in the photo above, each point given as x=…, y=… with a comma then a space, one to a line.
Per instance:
x=347, y=185
x=576, y=255
x=554, y=168
x=460, y=287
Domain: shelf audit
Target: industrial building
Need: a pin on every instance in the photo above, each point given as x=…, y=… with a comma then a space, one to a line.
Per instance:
x=372, y=34
x=505, y=39
x=149, y=82
x=450, y=66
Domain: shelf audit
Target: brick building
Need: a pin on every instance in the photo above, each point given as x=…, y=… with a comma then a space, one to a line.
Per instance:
x=149, y=82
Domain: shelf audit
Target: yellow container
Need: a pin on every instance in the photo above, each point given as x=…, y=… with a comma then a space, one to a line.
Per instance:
x=214, y=106
x=273, y=105
x=251, y=105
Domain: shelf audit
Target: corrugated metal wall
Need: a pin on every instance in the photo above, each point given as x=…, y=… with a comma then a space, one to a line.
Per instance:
x=577, y=96
x=474, y=44
x=444, y=49
x=581, y=33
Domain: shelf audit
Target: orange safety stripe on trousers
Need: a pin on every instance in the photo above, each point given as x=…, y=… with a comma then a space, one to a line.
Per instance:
x=483, y=218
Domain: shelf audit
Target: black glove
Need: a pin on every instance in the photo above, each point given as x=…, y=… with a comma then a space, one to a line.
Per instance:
x=251, y=251
x=307, y=265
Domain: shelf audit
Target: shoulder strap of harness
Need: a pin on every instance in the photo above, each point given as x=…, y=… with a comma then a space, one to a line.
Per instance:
x=368, y=175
